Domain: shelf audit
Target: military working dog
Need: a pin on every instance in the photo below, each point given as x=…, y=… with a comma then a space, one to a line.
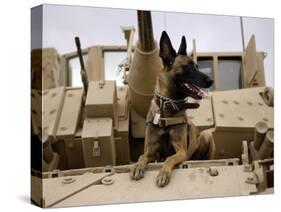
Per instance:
x=169, y=134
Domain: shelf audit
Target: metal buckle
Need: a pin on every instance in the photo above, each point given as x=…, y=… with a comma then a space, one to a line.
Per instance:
x=164, y=105
x=162, y=123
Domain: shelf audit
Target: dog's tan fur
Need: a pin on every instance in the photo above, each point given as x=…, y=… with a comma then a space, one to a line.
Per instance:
x=186, y=141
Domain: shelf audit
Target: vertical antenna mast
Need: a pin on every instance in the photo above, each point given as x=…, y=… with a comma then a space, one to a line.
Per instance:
x=242, y=32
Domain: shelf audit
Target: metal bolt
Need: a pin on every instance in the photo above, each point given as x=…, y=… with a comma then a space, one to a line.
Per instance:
x=213, y=171
x=224, y=101
x=221, y=115
x=68, y=180
x=265, y=119
x=250, y=178
x=209, y=119
x=63, y=128
x=52, y=111
x=249, y=103
x=240, y=118
x=107, y=181
x=236, y=102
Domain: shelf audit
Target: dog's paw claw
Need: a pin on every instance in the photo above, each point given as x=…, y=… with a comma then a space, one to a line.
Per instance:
x=163, y=178
x=137, y=172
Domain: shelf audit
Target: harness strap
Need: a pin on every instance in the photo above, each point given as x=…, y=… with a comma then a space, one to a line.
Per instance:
x=165, y=122
x=170, y=105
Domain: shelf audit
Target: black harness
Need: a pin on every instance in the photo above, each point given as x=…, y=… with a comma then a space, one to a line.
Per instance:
x=169, y=105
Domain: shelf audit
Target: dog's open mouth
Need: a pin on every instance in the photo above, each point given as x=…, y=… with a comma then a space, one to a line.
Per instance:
x=197, y=91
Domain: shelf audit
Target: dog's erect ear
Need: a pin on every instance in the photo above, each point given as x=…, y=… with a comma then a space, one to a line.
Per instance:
x=182, y=49
x=167, y=53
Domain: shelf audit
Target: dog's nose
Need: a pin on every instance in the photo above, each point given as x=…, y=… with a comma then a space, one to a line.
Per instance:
x=209, y=82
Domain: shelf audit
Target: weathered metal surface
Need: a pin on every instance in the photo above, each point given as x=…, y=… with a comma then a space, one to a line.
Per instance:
x=251, y=60
x=185, y=184
x=57, y=189
x=98, y=143
x=101, y=100
x=70, y=113
x=52, y=101
x=241, y=109
x=202, y=117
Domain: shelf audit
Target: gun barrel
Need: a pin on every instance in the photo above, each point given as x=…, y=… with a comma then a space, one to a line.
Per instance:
x=146, y=38
x=83, y=70
x=146, y=64
x=79, y=51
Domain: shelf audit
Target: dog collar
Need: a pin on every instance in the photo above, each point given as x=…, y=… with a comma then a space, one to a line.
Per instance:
x=167, y=104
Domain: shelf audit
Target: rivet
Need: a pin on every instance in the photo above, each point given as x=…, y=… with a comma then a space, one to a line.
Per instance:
x=54, y=94
x=250, y=178
x=63, y=128
x=240, y=118
x=70, y=95
x=224, y=101
x=52, y=111
x=265, y=119
x=209, y=119
x=107, y=181
x=221, y=115
x=213, y=172
x=249, y=103
x=236, y=102
x=68, y=180
x=260, y=104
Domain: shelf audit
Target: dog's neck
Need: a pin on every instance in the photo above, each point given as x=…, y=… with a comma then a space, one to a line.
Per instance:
x=166, y=91
x=165, y=87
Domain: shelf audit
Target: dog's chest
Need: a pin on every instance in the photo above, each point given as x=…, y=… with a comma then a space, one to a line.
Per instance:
x=166, y=148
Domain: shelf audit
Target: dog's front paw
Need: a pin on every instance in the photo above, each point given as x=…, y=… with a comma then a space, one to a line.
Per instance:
x=163, y=178
x=137, y=172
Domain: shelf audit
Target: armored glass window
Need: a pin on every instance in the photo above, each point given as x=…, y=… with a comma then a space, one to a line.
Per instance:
x=112, y=59
x=229, y=72
x=206, y=66
x=74, y=68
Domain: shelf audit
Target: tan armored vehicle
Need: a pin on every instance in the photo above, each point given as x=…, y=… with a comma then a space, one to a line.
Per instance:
x=84, y=139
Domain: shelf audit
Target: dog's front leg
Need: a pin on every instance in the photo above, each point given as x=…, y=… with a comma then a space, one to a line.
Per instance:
x=151, y=145
x=178, y=140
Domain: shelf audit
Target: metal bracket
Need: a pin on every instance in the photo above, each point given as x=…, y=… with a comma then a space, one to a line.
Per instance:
x=96, y=149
